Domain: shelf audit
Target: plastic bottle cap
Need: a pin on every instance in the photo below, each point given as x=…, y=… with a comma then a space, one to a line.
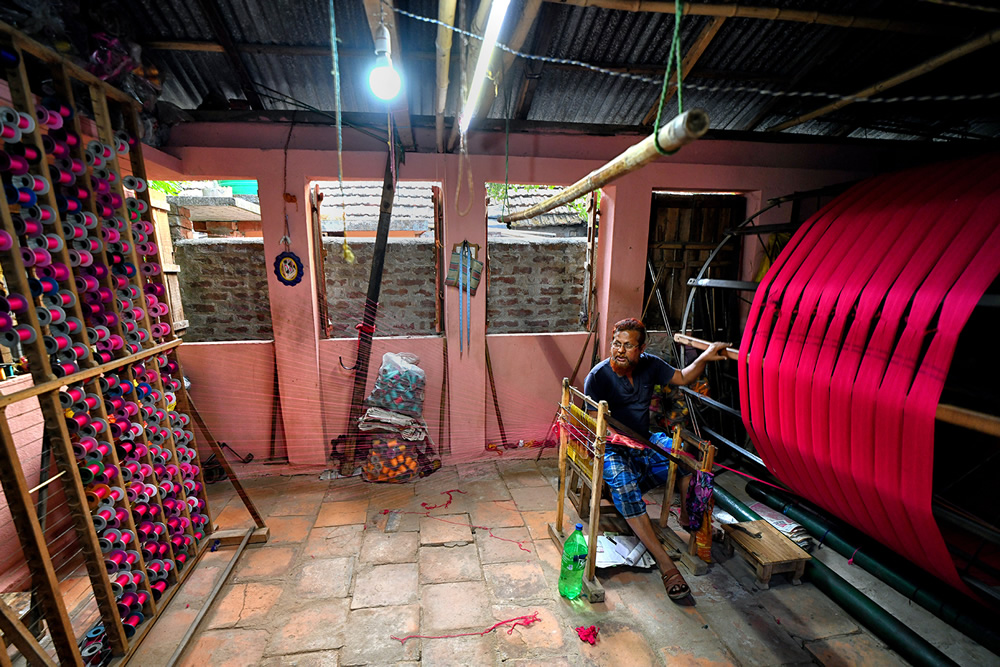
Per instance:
x=579, y=526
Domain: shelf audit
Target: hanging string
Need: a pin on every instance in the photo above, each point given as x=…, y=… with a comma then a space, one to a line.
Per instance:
x=348, y=254
x=286, y=239
x=673, y=59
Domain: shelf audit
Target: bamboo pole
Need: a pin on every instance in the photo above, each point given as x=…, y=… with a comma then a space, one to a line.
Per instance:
x=730, y=352
x=446, y=15
x=681, y=131
x=923, y=68
x=767, y=13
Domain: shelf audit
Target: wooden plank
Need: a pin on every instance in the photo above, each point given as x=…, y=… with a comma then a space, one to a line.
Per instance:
x=770, y=548
x=83, y=376
x=221, y=455
x=692, y=56
x=229, y=538
x=29, y=647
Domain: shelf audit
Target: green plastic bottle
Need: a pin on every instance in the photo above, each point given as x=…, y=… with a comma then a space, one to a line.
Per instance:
x=574, y=559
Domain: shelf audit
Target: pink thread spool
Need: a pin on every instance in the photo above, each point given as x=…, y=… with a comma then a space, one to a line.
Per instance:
x=48, y=119
x=10, y=133
x=15, y=164
x=158, y=589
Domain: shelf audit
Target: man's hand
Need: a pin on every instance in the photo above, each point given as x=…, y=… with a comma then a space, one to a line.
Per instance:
x=715, y=352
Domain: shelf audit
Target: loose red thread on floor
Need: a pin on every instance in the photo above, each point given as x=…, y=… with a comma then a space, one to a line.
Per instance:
x=588, y=635
x=434, y=507
x=516, y=621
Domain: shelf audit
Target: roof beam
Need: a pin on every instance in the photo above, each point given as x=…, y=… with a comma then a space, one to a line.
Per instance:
x=767, y=13
x=446, y=15
x=218, y=26
x=533, y=68
x=701, y=43
x=912, y=73
x=274, y=49
x=517, y=39
x=477, y=27
x=400, y=106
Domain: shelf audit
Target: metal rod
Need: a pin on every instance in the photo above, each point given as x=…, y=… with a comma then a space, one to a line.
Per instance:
x=679, y=132
x=932, y=64
x=208, y=602
x=47, y=482
x=731, y=353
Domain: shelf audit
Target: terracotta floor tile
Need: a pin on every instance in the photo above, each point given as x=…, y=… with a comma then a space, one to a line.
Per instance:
x=486, y=489
x=353, y=488
x=325, y=578
x=524, y=478
x=315, y=626
x=617, y=645
x=381, y=548
x=538, y=521
x=297, y=504
x=264, y=563
x=243, y=605
x=546, y=636
x=751, y=634
x=368, y=636
x=314, y=659
x=225, y=648
x=386, y=585
x=234, y=516
x=446, y=564
x=805, y=612
x=289, y=528
x=161, y=641
x=517, y=581
x=478, y=470
x=445, y=529
x=333, y=542
x=501, y=548
x=454, y=606
x=342, y=513
x=459, y=652
x=709, y=653
x=496, y=514
x=391, y=495
x=857, y=649
x=530, y=498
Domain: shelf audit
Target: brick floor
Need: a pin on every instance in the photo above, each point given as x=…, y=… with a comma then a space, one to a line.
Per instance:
x=340, y=576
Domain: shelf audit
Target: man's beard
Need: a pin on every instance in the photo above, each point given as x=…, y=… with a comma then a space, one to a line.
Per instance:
x=622, y=366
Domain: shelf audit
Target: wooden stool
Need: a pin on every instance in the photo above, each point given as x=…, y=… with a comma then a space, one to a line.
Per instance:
x=767, y=550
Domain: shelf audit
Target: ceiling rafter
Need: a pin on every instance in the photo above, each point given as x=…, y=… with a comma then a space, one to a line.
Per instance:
x=924, y=67
x=446, y=15
x=274, y=49
x=218, y=27
x=766, y=13
x=517, y=39
x=533, y=68
x=692, y=56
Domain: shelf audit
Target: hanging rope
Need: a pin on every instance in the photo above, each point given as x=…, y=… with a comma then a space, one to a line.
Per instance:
x=348, y=254
x=673, y=59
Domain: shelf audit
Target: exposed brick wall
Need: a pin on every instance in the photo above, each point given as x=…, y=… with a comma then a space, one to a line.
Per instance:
x=224, y=289
x=536, y=285
x=406, y=299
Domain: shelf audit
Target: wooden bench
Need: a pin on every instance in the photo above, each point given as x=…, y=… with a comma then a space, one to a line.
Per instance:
x=767, y=550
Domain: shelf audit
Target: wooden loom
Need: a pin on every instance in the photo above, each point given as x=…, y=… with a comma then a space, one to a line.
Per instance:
x=582, y=440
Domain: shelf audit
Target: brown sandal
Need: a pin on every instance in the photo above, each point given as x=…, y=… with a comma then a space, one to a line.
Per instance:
x=674, y=584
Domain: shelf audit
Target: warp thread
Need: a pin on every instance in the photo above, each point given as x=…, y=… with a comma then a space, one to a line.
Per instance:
x=516, y=621
x=434, y=507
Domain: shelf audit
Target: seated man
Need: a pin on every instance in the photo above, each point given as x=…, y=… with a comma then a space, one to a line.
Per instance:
x=625, y=381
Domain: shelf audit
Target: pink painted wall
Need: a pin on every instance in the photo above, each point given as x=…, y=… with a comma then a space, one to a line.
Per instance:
x=528, y=368
x=232, y=384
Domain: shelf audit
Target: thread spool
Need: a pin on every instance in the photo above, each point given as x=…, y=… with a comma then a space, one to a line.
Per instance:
x=13, y=164
x=158, y=588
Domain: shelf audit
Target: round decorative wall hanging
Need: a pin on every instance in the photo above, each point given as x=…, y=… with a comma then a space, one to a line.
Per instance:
x=288, y=268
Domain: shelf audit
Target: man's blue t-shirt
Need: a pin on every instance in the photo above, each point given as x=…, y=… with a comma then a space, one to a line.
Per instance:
x=629, y=401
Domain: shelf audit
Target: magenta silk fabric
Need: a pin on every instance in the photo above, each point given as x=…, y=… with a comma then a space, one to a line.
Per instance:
x=850, y=338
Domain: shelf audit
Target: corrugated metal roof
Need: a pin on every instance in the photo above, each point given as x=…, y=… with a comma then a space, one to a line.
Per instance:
x=745, y=55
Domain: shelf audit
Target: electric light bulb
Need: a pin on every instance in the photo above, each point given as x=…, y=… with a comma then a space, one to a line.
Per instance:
x=384, y=80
